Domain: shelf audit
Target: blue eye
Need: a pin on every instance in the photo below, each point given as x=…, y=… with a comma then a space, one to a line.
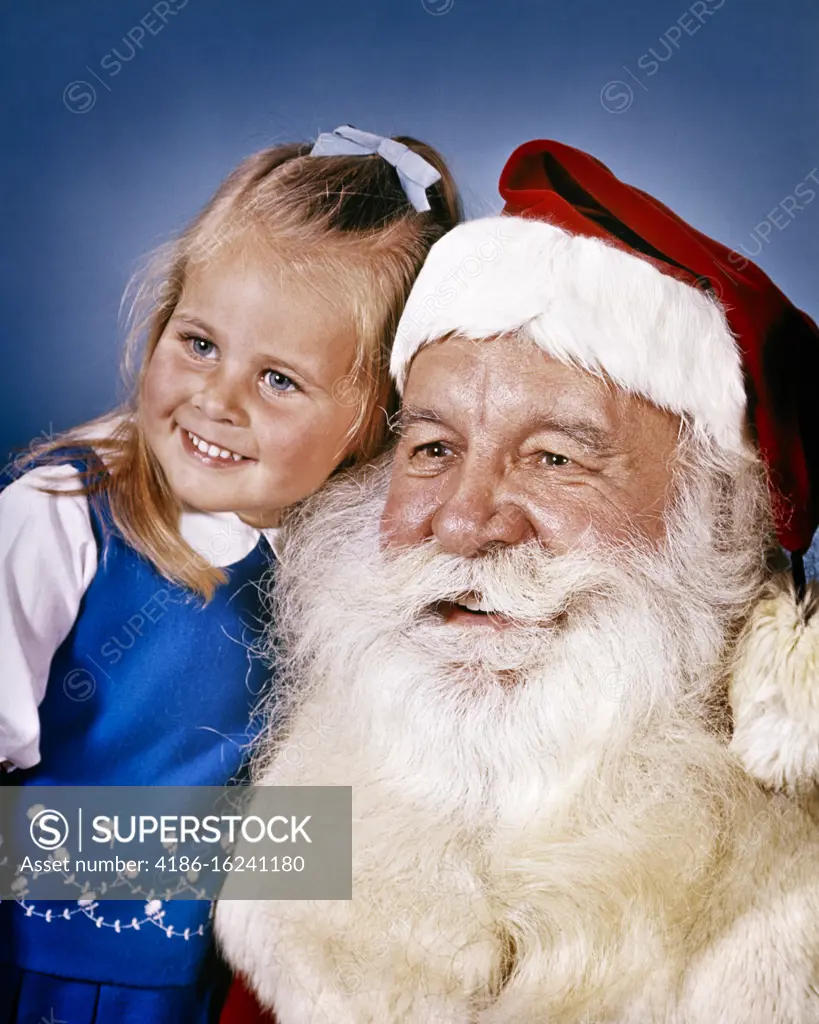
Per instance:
x=278, y=382
x=202, y=348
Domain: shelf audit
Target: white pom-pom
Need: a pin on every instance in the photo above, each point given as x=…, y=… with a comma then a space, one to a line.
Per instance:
x=775, y=689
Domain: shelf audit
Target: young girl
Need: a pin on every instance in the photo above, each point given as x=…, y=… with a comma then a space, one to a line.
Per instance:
x=131, y=549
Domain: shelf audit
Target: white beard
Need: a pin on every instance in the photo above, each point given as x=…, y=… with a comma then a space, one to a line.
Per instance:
x=540, y=813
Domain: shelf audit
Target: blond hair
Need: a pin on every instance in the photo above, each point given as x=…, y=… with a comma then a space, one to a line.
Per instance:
x=341, y=224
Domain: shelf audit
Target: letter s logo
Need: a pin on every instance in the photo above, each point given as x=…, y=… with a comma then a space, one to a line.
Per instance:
x=48, y=829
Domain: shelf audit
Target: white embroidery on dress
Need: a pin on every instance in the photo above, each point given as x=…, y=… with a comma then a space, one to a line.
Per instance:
x=154, y=914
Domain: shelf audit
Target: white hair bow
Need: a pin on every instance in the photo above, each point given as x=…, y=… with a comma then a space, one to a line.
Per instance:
x=414, y=172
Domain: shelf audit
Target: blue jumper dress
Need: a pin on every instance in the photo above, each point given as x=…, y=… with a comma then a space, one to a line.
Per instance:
x=167, y=685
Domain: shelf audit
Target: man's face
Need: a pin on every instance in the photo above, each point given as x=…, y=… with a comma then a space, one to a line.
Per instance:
x=501, y=444
x=544, y=497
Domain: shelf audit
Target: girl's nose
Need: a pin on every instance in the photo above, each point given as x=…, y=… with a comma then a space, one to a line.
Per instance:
x=220, y=400
x=479, y=513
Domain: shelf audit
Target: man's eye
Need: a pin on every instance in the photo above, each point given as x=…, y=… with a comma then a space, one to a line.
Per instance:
x=202, y=348
x=552, y=459
x=432, y=450
x=278, y=382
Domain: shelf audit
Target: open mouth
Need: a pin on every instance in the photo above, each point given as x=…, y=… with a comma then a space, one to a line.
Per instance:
x=475, y=603
x=471, y=610
x=210, y=453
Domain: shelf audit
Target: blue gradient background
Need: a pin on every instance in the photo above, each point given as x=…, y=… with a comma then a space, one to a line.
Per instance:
x=722, y=132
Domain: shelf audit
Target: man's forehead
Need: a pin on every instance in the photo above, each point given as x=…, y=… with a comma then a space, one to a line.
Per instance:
x=481, y=375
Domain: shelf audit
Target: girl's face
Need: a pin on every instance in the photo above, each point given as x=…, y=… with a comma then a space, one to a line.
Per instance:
x=246, y=401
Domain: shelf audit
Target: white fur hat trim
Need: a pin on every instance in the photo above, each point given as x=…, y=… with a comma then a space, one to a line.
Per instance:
x=583, y=302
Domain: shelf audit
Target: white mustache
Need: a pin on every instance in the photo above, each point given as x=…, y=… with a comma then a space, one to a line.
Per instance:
x=524, y=583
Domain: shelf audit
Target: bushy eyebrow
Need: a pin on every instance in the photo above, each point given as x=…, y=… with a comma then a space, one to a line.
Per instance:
x=593, y=438
x=588, y=435
x=410, y=415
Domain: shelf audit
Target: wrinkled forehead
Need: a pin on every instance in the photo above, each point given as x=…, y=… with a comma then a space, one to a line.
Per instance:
x=509, y=385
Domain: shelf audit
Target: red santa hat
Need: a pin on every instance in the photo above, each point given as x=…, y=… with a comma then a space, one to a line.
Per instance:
x=604, y=276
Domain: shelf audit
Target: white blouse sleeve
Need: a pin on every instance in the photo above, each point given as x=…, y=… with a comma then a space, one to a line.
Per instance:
x=48, y=557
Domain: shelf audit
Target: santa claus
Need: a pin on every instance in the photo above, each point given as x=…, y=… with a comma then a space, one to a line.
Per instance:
x=554, y=647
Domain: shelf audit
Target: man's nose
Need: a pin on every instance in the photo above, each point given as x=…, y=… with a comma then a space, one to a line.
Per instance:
x=480, y=512
x=220, y=399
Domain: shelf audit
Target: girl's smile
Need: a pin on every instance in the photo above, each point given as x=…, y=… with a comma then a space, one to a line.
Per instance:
x=245, y=380
x=210, y=454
